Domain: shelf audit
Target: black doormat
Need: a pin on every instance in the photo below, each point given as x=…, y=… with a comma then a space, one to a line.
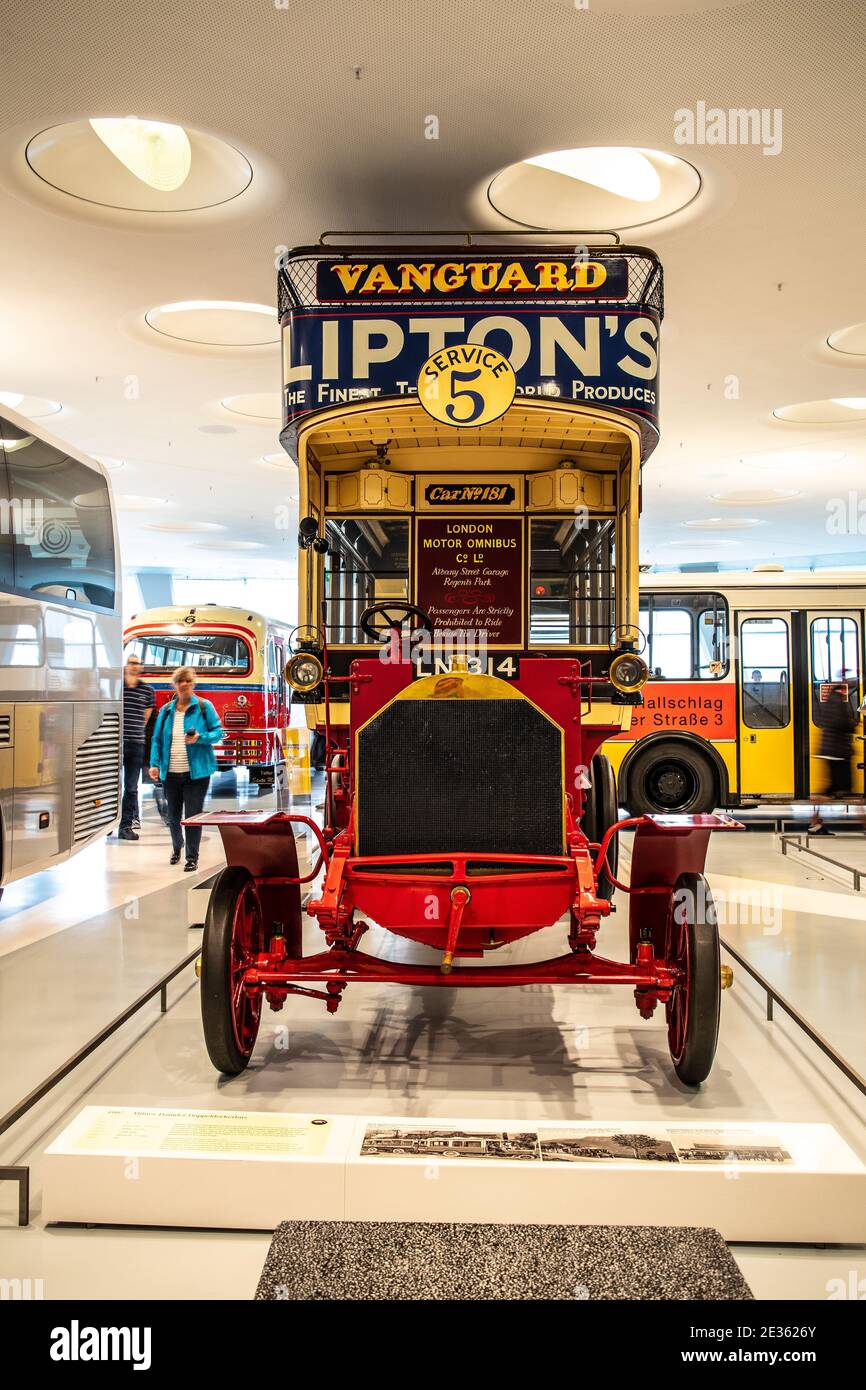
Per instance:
x=426, y=1260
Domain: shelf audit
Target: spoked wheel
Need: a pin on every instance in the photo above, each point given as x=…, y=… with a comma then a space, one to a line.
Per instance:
x=233, y=936
x=693, y=949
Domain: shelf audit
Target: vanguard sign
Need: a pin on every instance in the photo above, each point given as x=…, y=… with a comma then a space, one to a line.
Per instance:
x=589, y=355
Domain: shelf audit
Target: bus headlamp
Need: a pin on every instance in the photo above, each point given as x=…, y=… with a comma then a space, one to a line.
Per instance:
x=628, y=672
x=304, y=671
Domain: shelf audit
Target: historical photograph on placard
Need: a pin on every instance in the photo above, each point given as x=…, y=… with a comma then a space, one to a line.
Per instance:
x=449, y=1143
x=728, y=1146
x=566, y=1146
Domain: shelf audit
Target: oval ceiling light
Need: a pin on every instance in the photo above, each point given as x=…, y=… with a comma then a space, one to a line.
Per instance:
x=724, y=523
x=282, y=462
x=699, y=544
x=229, y=545
x=257, y=405
x=594, y=188
x=618, y=169
x=133, y=502
x=110, y=462
x=216, y=323
x=183, y=527
x=850, y=342
x=794, y=458
x=156, y=153
x=34, y=407
x=845, y=410
x=137, y=165
x=754, y=496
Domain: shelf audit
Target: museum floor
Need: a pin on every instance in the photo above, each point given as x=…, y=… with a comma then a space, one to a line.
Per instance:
x=77, y=945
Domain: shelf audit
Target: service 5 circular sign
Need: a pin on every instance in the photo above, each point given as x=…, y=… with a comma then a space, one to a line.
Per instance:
x=466, y=385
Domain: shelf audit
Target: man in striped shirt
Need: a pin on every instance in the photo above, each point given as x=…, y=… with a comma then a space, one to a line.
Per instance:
x=137, y=710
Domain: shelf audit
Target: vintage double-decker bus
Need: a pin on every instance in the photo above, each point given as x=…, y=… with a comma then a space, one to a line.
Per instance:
x=239, y=661
x=469, y=426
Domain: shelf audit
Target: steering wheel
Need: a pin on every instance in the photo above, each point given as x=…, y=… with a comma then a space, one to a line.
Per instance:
x=391, y=624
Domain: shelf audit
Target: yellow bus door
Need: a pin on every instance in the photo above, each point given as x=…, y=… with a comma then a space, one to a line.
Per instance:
x=834, y=643
x=766, y=733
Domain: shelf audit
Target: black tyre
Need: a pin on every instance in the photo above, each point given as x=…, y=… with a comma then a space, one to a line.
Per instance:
x=606, y=807
x=695, y=1003
x=233, y=935
x=669, y=778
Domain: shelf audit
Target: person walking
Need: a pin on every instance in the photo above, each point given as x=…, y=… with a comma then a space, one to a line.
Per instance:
x=836, y=748
x=182, y=758
x=137, y=711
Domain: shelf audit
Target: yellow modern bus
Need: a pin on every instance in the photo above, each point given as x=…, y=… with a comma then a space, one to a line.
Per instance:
x=741, y=667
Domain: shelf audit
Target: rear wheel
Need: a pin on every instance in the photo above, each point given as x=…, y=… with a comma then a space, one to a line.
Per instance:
x=693, y=949
x=233, y=936
x=671, y=778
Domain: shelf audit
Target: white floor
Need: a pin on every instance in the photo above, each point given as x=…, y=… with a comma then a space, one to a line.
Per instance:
x=537, y=1052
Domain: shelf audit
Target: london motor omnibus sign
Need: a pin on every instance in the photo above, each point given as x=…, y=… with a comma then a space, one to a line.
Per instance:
x=362, y=325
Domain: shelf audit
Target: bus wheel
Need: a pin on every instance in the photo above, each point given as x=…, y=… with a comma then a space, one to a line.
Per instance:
x=233, y=936
x=693, y=949
x=606, y=807
x=671, y=778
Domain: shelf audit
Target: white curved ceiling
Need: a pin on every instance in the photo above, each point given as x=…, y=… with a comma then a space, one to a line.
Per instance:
x=328, y=100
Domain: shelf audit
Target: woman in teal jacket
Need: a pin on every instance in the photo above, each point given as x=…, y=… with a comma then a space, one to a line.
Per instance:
x=183, y=760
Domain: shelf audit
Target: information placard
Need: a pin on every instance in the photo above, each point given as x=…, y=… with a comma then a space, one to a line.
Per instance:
x=470, y=575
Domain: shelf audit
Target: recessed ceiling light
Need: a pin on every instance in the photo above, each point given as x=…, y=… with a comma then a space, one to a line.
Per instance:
x=280, y=461
x=216, y=323
x=155, y=152
x=594, y=187
x=180, y=527
x=135, y=165
x=110, y=462
x=229, y=545
x=753, y=496
x=794, y=458
x=618, y=169
x=850, y=342
x=840, y=411
x=257, y=405
x=702, y=544
x=724, y=523
x=34, y=407
x=134, y=502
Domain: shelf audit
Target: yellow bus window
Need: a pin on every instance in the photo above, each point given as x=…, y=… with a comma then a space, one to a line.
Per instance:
x=765, y=672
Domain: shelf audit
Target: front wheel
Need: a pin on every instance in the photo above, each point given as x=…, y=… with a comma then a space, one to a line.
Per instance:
x=671, y=777
x=692, y=948
x=233, y=936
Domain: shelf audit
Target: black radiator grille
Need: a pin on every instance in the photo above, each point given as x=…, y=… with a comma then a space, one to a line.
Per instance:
x=470, y=776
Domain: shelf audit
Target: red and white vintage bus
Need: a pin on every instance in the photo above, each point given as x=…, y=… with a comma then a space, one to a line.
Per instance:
x=239, y=659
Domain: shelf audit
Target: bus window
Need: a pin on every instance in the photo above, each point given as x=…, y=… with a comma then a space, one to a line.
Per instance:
x=686, y=635
x=835, y=657
x=712, y=642
x=764, y=671
x=669, y=643
x=571, y=581
x=203, y=651
x=367, y=563
x=62, y=538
